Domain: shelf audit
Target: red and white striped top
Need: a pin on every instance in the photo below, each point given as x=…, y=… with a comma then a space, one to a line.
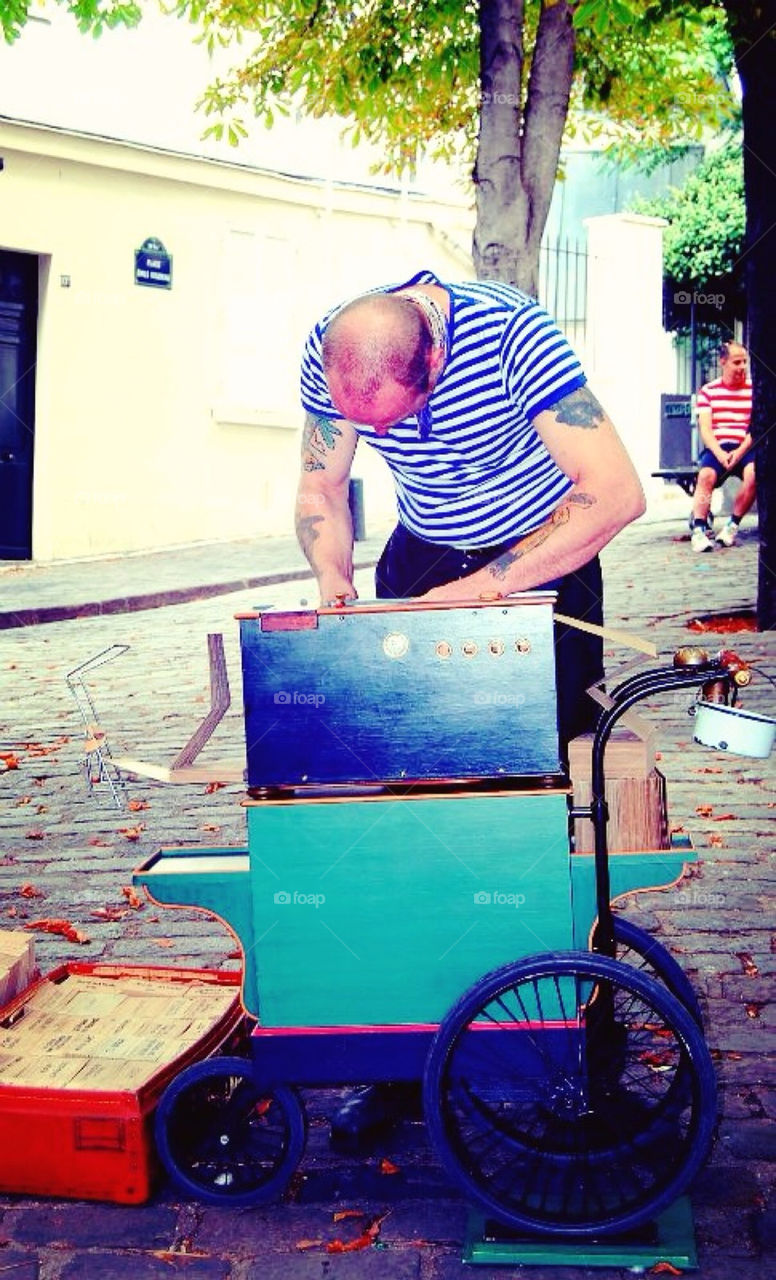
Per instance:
x=731, y=409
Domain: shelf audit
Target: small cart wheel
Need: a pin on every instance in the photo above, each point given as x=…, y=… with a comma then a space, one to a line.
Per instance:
x=223, y=1139
x=571, y=1095
x=637, y=948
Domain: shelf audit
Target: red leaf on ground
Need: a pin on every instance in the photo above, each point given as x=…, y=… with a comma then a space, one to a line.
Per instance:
x=35, y=835
x=352, y=1246
x=724, y=817
x=348, y=1213
x=132, y=833
x=747, y=964
x=133, y=897
x=62, y=927
x=30, y=891
x=213, y=786
x=705, y=810
x=665, y=1268
x=137, y=805
x=98, y=843
x=388, y=1167
x=110, y=913
x=8, y=759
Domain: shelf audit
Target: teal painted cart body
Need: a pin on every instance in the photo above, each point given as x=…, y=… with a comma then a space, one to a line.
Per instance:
x=381, y=911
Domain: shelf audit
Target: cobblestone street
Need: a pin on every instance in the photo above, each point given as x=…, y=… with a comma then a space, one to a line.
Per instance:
x=75, y=851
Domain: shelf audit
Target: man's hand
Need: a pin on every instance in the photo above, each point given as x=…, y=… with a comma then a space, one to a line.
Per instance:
x=334, y=589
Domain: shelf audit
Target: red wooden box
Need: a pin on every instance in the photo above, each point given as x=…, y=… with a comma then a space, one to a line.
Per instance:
x=85, y=1054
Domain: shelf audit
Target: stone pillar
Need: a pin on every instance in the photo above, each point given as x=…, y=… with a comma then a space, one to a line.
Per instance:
x=625, y=342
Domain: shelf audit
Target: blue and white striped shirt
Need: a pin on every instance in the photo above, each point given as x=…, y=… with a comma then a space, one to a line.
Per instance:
x=483, y=476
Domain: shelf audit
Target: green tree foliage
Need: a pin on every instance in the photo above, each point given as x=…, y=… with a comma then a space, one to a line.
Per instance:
x=405, y=74
x=707, y=220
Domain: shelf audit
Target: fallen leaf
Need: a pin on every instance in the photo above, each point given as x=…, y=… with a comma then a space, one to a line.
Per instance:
x=162, y=942
x=717, y=842
x=747, y=964
x=752, y=1010
x=23, y=800
x=665, y=1268
x=137, y=805
x=388, y=1167
x=133, y=897
x=98, y=843
x=723, y=817
x=210, y=826
x=348, y=1213
x=35, y=835
x=308, y=1244
x=110, y=913
x=62, y=927
x=132, y=833
x=705, y=810
x=38, y=749
x=30, y=891
x=9, y=760
x=353, y=1246
x=213, y=786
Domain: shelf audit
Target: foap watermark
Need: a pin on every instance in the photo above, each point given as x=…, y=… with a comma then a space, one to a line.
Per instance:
x=296, y=899
x=298, y=698
x=496, y=898
x=491, y=98
x=683, y=298
x=492, y=698
x=704, y=898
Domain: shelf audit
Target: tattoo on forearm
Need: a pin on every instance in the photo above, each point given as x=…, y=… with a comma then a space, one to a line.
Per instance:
x=579, y=499
x=307, y=534
x=500, y=567
x=580, y=409
x=319, y=437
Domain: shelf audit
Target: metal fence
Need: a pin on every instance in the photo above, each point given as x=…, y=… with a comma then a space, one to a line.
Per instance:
x=563, y=285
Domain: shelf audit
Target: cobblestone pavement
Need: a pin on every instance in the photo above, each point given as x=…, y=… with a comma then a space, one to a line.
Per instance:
x=78, y=851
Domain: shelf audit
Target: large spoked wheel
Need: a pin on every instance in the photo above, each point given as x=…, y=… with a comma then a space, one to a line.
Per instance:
x=637, y=948
x=571, y=1095
x=223, y=1139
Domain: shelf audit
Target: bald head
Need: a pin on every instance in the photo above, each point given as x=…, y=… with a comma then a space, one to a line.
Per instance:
x=376, y=357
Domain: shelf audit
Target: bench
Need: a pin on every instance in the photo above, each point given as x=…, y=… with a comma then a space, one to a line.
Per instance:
x=685, y=477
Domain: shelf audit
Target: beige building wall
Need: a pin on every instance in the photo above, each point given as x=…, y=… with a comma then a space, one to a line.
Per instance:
x=166, y=417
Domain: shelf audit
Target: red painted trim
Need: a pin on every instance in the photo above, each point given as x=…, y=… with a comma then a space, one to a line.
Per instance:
x=556, y=1024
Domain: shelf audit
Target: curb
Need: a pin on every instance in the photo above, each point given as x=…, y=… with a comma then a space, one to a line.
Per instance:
x=15, y=618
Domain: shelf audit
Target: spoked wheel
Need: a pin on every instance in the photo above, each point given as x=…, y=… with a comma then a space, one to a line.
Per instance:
x=570, y=1094
x=223, y=1139
x=637, y=948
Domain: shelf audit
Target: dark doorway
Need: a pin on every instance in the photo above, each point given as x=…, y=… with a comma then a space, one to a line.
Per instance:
x=18, y=355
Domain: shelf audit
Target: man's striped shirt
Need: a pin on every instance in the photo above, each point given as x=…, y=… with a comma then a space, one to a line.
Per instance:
x=483, y=476
x=731, y=409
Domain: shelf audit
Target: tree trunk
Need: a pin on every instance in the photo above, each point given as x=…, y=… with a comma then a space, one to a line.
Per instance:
x=755, y=44
x=520, y=136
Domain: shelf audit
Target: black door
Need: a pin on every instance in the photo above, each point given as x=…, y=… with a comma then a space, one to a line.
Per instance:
x=18, y=329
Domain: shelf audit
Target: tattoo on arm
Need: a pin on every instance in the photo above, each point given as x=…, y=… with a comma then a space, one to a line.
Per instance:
x=499, y=568
x=319, y=437
x=307, y=534
x=579, y=409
